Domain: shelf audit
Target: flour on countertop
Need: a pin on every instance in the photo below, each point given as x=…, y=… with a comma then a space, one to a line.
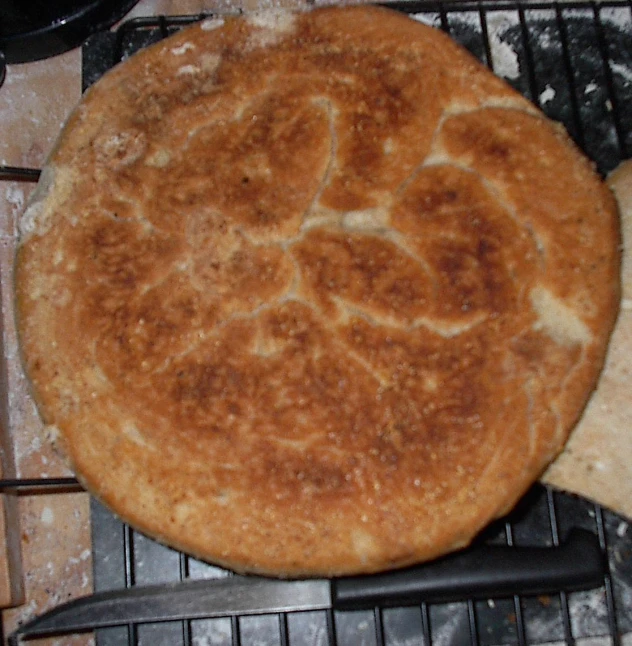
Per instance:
x=449, y=629
x=591, y=87
x=504, y=56
x=545, y=39
x=15, y=196
x=623, y=70
x=218, y=634
x=48, y=516
x=616, y=16
x=548, y=94
x=430, y=19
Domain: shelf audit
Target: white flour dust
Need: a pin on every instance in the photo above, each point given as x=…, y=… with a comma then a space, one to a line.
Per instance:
x=548, y=94
x=430, y=19
x=591, y=87
x=618, y=17
x=504, y=56
x=622, y=70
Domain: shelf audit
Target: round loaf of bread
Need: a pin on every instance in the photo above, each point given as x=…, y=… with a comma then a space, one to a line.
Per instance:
x=313, y=293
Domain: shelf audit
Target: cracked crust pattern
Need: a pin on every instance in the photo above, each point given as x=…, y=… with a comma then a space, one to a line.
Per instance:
x=302, y=301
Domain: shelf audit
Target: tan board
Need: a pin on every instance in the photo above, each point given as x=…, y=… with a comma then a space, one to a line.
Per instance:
x=597, y=461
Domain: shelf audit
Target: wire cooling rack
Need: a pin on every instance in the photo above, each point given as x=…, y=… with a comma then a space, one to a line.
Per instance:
x=574, y=60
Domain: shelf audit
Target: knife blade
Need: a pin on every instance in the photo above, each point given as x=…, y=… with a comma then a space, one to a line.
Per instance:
x=481, y=572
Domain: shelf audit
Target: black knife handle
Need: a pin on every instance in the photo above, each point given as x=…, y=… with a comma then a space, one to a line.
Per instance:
x=488, y=571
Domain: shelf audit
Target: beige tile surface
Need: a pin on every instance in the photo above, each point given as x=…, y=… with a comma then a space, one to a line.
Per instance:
x=54, y=529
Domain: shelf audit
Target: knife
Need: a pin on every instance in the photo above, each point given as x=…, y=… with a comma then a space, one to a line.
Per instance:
x=481, y=572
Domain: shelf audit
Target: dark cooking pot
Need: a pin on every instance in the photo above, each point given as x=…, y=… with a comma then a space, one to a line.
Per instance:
x=34, y=29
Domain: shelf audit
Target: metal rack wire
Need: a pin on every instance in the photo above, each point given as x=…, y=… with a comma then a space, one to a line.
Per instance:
x=572, y=60
x=544, y=518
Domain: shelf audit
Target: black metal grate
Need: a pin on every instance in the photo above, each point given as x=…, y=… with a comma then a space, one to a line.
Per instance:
x=544, y=517
x=574, y=60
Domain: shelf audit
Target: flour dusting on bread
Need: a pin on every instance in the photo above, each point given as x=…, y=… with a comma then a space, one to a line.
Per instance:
x=40, y=210
x=557, y=318
x=271, y=25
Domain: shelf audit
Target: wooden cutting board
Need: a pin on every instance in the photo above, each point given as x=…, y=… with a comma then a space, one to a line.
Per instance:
x=597, y=461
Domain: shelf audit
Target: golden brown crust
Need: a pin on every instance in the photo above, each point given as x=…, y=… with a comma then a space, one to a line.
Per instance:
x=300, y=301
